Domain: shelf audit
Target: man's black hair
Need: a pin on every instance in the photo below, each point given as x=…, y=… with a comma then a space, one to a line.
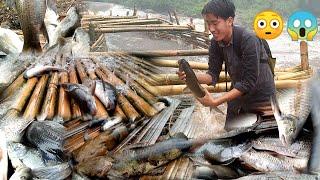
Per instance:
x=220, y=8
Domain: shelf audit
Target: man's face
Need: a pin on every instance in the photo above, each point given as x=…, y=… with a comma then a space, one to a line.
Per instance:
x=218, y=27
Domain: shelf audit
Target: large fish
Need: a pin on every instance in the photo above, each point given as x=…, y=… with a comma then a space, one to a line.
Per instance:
x=13, y=126
x=291, y=111
x=107, y=94
x=192, y=81
x=48, y=137
x=83, y=95
x=39, y=70
x=56, y=172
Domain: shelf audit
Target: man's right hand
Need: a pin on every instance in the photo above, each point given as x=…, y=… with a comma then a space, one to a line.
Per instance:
x=182, y=75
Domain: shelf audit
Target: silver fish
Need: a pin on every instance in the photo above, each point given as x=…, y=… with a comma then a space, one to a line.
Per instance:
x=107, y=94
x=56, y=172
x=39, y=70
x=22, y=173
x=265, y=162
x=214, y=172
x=30, y=157
x=280, y=176
x=51, y=22
x=10, y=41
x=48, y=137
x=292, y=111
x=3, y=157
x=299, y=149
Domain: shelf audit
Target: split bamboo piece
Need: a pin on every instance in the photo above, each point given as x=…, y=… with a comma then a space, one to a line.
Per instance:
x=101, y=110
x=48, y=107
x=25, y=94
x=64, y=110
x=34, y=105
x=138, y=29
x=138, y=102
x=76, y=112
x=12, y=88
x=127, y=108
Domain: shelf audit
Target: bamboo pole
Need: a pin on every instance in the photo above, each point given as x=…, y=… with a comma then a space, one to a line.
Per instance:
x=35, y=101
x=127, y=108
x=64, y=110
x=25, y=94
x=176, y=16
x=104, y=18
x=12, y=88
x=157, y=53
x=135, y=11
x=147, y=26
x=123, y=21
x=139, y=29
x=48, y=107
x=170, y=17
x=304, y=55
x=76, y=112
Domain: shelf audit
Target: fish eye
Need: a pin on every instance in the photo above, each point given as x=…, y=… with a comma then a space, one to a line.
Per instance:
x=275, y=23
x=291, y=129
x=296, y=23
x=262, y=23
x=308, y=23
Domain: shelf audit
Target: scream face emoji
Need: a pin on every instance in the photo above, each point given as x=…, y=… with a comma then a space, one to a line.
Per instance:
x=268, y=25
x=302, y=25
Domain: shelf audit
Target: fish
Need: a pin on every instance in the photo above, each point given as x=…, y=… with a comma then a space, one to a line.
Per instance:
x=265, y=162
x=192, y=81
x=22, y=173
x=38, y=70
x=3, y=157
x=280, y=176
x=56, y=172
x=299, y=149
x=107, y=94
x=30, y=157
x=10, y=42
x=314, y=163
x=31, y=15
x=48, y=137
x=51, y=22
x=214, y=172
x=81, y=43
x=223, y=151
x=83, y=95
x=291, y=111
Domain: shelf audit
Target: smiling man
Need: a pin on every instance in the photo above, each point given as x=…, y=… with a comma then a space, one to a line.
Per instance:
x=245, y=58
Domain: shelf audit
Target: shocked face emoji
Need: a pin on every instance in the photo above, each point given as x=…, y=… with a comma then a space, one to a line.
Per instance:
x=302, y=25
x=268, y=25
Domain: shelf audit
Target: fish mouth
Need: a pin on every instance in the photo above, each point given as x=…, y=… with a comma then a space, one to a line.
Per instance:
x=286, y=141
x=302, y=32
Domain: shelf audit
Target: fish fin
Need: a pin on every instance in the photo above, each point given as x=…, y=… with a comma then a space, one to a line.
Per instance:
x=275, y=108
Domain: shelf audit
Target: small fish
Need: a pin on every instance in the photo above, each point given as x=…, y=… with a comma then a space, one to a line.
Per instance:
x=39, y=70
x=107, y=94
x=291, y=112
x=192, y=81
x=48, y=137
x=299, y=149
x=82, y=95
x=22, y=173
x=265, y=162
x=30, y=157
x=56, y=172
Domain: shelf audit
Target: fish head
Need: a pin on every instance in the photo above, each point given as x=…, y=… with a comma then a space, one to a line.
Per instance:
x=17, y=149
x=287, y=129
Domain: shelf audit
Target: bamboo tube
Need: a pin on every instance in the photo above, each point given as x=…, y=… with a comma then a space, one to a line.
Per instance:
x=119, y=113
x=138, y=29
x=174, y=63
x=101, y=111
x=104, y=18
x=159, y=53
x=172, y=79
x=76, y=112
x=148, y=26
x=304, y=55
x=138, y=102
x=35, y=101
x=48, y=107
x=12, y=88
x=25, y=94
x=293, y=75
x=122, y=22
x=127, y=108
x=64, y=110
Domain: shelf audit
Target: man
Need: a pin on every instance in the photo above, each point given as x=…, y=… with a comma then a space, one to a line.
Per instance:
x=251, y=77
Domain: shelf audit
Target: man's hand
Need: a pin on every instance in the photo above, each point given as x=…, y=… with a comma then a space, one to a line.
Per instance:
x=208, y=100
x=182, y=75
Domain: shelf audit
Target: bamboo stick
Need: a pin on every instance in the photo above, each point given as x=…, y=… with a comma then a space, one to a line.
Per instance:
x=148, y=26
x=127, y=108
x=174, y=63
x=25, y=94
x=12, y=88
x=304, y=55
x=35, y=101
x=159, y=53
x=293, y=75
x=48, y=107
x=64, y=110
x=176, y=17
x=138, y=29
x=76, y=112
x=81, y=71
x=104, y=18
x=123, y=22
x=98, y=41
x=118, y=112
